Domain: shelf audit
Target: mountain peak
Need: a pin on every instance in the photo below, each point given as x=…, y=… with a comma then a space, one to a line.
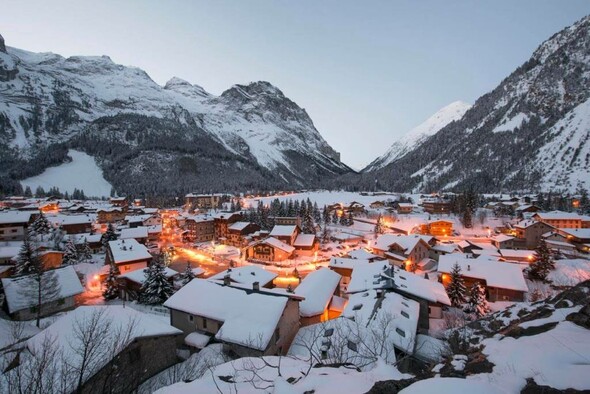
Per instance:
x=2, y=44
x=185, y=88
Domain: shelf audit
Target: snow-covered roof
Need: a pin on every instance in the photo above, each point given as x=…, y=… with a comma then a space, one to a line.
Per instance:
x=117, y=318
x=138, y=276
x=406, y=242
x=79, y=238
x=18, y=299
x=247, y=275
x=527, y=223
x=134, y=233
x=249, y=318
x=304, y=240
x=346, y=263
x=376, y=275
x=137, y=218
x=126, y=250
x=278, y=244
x=9, y=251
x=9, y=217
x=496, y=274
x=400, y=313
x=445, y=248
x=362, y=253
x=238, y=226
x=65, y=220
x=156, y=229
x=582, y=233
x=517, y=253
x=558, y=215
x=502, y=238
x=197, y=339
x=283, y=230
x=318, y=288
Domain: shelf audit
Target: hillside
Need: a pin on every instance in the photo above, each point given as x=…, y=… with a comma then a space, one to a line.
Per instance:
x=529, y=133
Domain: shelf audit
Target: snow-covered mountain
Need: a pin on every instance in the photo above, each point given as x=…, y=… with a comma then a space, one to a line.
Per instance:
x=254, y=135
x=529, y=133
x=420, y=133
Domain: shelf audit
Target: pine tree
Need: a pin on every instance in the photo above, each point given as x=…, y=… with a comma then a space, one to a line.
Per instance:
x=543, y=263
x=477, y=300
x=317, y=215
x=456, y=288
x=156, y=288
x=326, y=216
x=28, y=192
x=70, y=254
x=187, y=275
x=325, y=234
x=86, y=251
x=308, y=227
x=109, y=235
x=111, y=287
x=40, y=226
x=25, y=258
x=335, y=217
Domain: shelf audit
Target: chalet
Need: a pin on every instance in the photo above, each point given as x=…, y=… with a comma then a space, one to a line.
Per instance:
x=238, y=232
x=580, y=237
x=377, y=204
x=431, y=295
x=441, y=249
x=14, y=223
x=118, y=201
x=286, y=234
x=8, y=250
x=503, y=281
x=154, y=233
x=503, y=241
x=363, y=254
x=355, y=207
x=202, y=201
x=306, y=244
x=200, y=228
x=130, y=283
x=111, y=214
x=128, y=255
x=530, y=232
x=286, y=220
x=22, y=305
x=140, y=234
x=559, y=219
x=527, y=208
x=247, y=275
x=402, y=249
x=249, y=321
x=147, y=348
x=512, y=255
x=73, y=224
x=404, y=207
x=269, y=249
x=321, y=292
x=436, y=206
x=437, y=228
x=222, y=221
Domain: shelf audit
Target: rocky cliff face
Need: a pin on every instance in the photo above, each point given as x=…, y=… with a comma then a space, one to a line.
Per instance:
x=252, y=134
x=529, y=133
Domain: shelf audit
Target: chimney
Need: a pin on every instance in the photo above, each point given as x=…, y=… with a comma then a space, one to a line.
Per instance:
x=289, y=288
x=468, y=267
x=256, y=286
x=226, y=280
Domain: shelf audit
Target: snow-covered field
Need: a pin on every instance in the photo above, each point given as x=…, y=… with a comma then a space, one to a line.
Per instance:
x=323, y=197
x=81, y=173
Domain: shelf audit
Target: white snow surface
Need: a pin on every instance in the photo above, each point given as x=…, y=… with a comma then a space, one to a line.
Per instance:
x=318, y=288
x=451, y=386
x=81, y=173
x=420, y=133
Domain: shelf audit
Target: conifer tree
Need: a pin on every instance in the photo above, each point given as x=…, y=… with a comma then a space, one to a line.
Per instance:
x=325, y=234
x=308, y=227
x=456, y=288
x=187, y=275
x=543, y=263
x=111, y=287
x=70, y=254
x=25, y=258
x=477, y=300
x=326, y=216
x=86, y=251
x=40, y=226
x=109, y=235
x=317, y=215
x=156, y=288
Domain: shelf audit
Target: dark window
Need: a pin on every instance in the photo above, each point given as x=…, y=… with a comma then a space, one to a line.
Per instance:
x=405, y=314
x=352, y=346
x=204, y=323
x=190, y=318
x=400, y=332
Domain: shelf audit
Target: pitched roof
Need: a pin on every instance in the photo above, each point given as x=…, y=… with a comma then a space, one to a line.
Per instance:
x=496, y=274
x=126, y=250
x=17, y=299
x=318, y=288
x=304, y=240
x=249, y=318
x=283, y=230
x=247, y=275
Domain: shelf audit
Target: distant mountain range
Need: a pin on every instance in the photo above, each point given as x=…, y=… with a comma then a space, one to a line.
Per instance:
x=153, y=139
x=530, y=133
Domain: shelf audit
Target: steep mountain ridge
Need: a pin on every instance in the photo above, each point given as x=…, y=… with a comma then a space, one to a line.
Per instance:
x=49, y=103
x=420, y=133
x=520, y=136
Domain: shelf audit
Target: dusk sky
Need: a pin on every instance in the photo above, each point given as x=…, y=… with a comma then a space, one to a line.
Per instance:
x=366, y=72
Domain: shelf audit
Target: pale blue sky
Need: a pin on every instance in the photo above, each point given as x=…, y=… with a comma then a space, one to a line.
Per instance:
x=366, y=72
